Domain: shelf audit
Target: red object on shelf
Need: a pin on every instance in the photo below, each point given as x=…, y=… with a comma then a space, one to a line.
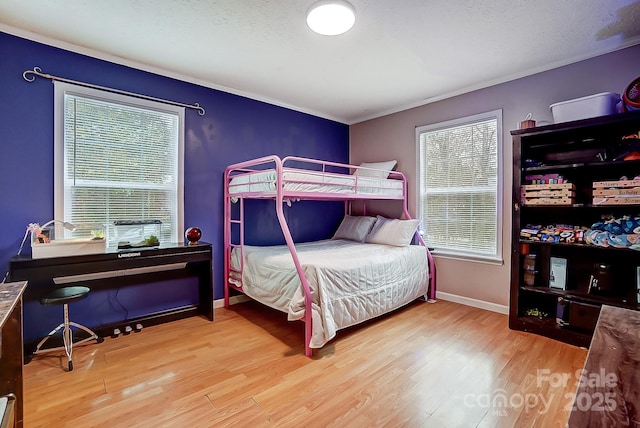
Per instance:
x=193, y=235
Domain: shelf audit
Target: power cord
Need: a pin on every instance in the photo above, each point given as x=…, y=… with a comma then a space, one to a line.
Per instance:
x=26, y=233
x=24, y=238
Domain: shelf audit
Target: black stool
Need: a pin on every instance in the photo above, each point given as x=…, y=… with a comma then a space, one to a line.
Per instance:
x=64, y=296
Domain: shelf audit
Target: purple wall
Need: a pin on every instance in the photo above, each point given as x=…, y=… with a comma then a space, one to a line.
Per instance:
x=234, y=129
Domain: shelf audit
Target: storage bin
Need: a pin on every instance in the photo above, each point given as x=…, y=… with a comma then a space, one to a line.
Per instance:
x=602, y=104
x=67, y=247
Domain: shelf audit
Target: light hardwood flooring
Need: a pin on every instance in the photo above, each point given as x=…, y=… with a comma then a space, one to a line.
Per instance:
x=427, y=365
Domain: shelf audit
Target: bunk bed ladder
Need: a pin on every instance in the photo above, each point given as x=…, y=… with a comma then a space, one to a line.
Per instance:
x=229, y=272
x=236, y=274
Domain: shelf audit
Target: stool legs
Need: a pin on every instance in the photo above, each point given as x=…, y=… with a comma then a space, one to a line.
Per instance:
x=67, y=337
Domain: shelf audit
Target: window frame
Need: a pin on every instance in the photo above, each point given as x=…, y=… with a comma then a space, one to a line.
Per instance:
x=498, y=257
x=60, y=90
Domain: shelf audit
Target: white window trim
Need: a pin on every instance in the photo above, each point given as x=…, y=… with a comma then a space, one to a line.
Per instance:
x=60, y=89
x=460, y=255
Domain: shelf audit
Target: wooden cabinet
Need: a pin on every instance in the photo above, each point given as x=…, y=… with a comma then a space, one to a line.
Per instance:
x=11, y=345
x=562, y=267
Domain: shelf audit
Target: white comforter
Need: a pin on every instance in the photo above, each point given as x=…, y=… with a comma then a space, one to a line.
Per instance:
x=350, y=282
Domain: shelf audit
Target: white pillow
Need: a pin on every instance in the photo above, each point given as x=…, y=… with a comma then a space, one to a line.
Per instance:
x=354, y=228
x=387, y=166
x=394, y=232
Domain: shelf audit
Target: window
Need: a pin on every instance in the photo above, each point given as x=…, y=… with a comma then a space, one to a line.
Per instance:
x=117, y=158
x=459, y=167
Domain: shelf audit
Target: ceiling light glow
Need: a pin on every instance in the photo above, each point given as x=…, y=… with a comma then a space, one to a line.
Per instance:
x=331, y=18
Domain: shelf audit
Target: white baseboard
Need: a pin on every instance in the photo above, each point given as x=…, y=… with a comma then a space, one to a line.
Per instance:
x=219, y=303
x=493, y=307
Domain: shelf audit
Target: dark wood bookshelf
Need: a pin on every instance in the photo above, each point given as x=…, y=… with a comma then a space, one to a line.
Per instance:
x=582, y=152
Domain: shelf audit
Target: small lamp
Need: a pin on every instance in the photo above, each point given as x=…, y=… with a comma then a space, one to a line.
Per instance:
x=70, y=227
x=331, y=17
x=35, y=229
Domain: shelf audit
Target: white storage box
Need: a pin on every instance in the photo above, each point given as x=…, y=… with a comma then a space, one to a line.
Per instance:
x=582, y=108
x=67, y=247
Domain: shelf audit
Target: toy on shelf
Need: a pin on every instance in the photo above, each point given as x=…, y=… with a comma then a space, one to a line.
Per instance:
x=547, y=189
x=623, y=232
x=619, y=192
x=557, y=233
x=548, y=194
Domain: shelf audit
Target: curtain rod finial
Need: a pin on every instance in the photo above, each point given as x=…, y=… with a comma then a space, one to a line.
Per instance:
x=200, y=109
x=30, y=75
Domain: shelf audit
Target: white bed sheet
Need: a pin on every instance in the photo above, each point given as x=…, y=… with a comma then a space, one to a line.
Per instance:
x=296, y=180
x=350, y=282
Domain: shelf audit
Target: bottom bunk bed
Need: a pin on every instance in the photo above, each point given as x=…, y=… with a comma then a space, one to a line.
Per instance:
x=371, y=265
x=350, y=282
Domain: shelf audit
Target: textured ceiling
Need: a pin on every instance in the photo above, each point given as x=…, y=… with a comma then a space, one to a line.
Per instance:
x=399, y=54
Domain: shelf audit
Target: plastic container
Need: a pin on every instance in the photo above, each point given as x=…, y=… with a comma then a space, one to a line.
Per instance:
x=137, y=233
x=68, y=247
x=602, y=104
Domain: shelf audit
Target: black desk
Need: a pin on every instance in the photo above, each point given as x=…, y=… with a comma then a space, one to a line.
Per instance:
x=114, y=269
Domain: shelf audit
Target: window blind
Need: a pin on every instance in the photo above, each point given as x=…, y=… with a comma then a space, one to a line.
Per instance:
x=459, y=174
x=121, y=161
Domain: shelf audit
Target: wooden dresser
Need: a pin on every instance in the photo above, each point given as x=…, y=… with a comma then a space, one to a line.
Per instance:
x=11, y=357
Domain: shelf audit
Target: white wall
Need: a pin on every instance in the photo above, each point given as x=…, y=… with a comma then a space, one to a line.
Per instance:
x=393, y=137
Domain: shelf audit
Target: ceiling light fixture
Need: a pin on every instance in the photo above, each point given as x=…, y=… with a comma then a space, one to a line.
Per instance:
x=331, y=17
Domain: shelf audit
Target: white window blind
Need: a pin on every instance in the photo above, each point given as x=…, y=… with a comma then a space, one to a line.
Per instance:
x=460, y=185
x=117, y=158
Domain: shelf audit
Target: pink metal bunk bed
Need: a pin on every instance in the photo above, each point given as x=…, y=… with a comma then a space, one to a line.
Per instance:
x=295, y=178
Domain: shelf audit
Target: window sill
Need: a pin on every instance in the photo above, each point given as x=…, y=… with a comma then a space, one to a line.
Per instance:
x=497, y=261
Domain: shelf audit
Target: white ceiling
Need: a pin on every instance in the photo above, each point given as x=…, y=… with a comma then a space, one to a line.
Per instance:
x=399, y=54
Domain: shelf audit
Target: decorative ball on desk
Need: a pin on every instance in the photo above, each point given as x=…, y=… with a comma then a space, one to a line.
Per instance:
x=193, y=235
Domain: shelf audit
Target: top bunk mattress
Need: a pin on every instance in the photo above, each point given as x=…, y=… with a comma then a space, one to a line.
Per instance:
x=297, y=181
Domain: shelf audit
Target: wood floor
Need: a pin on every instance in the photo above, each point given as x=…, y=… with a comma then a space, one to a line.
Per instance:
x=427, y=365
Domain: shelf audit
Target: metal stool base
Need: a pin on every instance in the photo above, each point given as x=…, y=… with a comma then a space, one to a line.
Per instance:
x=67, y=337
